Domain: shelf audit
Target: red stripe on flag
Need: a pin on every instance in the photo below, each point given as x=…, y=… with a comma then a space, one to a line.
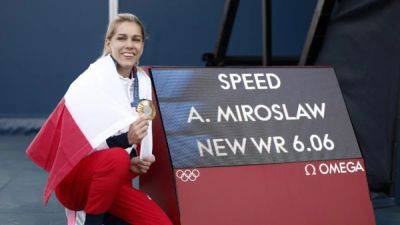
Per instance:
x=58, y=147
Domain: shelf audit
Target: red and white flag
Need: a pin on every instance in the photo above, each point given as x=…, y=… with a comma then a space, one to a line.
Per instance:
x=95, y=107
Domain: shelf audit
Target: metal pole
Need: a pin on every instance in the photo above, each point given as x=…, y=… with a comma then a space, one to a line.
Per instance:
x=112, y=9
x=316, y=32
x=267, y=46
x=228, y=19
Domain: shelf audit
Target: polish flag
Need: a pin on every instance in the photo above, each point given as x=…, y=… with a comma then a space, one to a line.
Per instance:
x=95, y=107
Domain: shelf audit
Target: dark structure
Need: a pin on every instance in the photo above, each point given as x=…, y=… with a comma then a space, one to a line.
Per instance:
x=359, y=38
x=219, y=56
x=363, y=45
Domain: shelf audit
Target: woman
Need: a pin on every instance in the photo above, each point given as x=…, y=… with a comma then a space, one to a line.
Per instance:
x=88, y=144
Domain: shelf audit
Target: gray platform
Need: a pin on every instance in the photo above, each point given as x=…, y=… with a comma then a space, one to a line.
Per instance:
x=21, y=187
x=22, y=183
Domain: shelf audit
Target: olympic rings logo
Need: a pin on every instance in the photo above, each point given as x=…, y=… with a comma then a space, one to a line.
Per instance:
x=188, y=175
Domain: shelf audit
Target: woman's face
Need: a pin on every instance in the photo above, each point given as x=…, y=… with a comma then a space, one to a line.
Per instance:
x=126, y=46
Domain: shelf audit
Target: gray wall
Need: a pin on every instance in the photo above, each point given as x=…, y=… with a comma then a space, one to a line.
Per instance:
x=46, y=44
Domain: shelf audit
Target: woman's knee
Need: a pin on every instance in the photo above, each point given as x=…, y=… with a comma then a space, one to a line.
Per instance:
x=118, y=159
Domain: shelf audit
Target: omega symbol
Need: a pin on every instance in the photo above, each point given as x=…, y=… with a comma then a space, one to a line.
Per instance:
x=310, y=170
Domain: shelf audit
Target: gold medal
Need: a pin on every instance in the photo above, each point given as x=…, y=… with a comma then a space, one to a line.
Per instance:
x=146, y=107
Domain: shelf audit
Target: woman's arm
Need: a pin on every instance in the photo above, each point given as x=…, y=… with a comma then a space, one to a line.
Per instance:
x=120, y=140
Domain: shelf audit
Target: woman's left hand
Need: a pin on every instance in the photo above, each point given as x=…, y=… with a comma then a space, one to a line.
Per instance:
x=141, y=166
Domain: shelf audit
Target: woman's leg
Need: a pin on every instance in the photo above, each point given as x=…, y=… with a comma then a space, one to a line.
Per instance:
x=92, y=185
x=110, y=172
x=101, y=183
x=134, y=207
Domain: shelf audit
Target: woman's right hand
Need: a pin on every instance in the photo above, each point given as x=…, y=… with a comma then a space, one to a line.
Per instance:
x=141, y=166
x=138, y=130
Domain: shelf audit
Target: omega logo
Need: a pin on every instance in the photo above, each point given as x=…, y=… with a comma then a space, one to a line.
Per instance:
x=333, y=168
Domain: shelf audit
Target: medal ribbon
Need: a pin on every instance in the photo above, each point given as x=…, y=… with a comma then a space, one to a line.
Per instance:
x=135, y=93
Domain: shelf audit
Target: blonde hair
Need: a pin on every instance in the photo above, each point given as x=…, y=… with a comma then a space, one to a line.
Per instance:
x=120, y=18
